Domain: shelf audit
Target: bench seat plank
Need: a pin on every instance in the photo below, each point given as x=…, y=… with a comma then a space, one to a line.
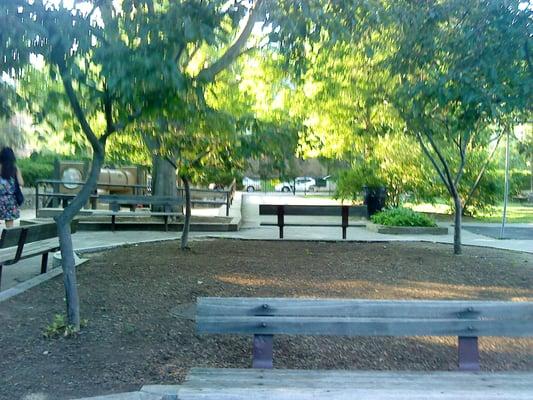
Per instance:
x=241, y=384
x=30, y=250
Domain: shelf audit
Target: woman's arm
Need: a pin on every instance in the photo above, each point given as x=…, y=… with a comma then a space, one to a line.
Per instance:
x=19, y=178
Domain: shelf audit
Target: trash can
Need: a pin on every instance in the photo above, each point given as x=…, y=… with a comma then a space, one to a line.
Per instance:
x=375, y=199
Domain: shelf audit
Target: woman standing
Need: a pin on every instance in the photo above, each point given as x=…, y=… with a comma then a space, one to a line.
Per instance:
x=9, y=174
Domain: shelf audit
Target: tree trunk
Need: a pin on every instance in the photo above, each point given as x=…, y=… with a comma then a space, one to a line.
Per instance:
x=63, y=222
x=163, y=177
x=163, y=171
x=531, y=176
x=187, y=221
x=457, y=248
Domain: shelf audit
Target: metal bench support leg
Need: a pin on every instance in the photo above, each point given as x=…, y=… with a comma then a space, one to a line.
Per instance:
x=1, y=266
x=345, y=214
x=44, y=263
x=468, y=354
x=166, y=223
x=281, y=220
x=262, y=352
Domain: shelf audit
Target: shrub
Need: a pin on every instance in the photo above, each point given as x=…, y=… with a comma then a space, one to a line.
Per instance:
x=33, y=170
x=402, y=217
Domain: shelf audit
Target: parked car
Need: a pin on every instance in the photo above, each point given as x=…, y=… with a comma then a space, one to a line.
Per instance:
x=251, y=185
x=324, y=184
x=300, y=184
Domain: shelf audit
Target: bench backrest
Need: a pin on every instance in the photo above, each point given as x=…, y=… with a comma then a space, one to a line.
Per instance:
x=12, y=237
x=267, y=316
x=314, y=210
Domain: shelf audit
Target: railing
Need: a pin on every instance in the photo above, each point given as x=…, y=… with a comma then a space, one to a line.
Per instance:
x=228, y=194
x=56, y=198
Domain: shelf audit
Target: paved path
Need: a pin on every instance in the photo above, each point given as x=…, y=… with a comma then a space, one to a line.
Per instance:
x=246, y=210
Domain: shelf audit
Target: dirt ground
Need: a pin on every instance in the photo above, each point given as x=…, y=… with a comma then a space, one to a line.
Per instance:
x=132, y=298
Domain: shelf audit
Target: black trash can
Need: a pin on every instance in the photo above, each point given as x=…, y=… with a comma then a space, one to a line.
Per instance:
x=375, y=199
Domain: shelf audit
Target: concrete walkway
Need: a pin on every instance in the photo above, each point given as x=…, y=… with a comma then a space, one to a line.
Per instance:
x=245, y=212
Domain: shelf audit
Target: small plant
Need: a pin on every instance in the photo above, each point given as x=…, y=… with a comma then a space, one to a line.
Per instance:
x=60, y=327
x=402, y=217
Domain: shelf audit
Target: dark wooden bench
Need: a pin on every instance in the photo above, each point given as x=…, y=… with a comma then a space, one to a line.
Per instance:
x=266, y=317
x=29, y=241
x=168, y=203
x=311, y=210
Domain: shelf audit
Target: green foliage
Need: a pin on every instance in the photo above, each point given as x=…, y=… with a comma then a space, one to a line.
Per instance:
x=34, y=170
x=11, y=134
x=402, y=217
x=59, y=327
x=350, y=183
x=520, y=181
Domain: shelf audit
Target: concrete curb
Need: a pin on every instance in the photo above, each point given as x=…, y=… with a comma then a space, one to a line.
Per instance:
x=98, y=249
x=407, y=230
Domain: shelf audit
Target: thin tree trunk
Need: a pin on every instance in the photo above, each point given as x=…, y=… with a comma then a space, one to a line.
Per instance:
x=531, y=175
x=187, y=221
x=457, y=247
x=63, y=222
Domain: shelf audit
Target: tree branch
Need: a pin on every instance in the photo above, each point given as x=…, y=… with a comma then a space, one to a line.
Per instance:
x=432, y=160
x=447, y=172
x=209, y=73
x=482, y=172
x=462, y=149
x=76, y=107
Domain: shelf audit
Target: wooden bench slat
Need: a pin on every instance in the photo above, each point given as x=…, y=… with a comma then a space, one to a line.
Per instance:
x=348, y=326
x=314, y=210
x=34, y=233
x=459, y=309
x=288, y=393
x=242, y=384
x=235, y=374
x=30, y=250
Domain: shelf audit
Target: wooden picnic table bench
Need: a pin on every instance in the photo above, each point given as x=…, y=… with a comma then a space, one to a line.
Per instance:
x=282, y=210
x=29, y=241
x=168, y=203
x=265, y=317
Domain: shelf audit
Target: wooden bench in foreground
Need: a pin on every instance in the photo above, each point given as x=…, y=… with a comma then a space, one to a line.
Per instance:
x=282, y=210
x=264, y=318
x=168, y=203
x=29, y=241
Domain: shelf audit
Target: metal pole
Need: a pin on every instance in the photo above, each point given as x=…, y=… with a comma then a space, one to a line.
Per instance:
x=506, y=191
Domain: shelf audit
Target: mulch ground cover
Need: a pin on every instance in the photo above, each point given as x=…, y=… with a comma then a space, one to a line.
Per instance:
x=133, y=298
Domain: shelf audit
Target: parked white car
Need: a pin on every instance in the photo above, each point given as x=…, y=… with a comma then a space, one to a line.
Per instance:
x=301, y=184
x=251, y=185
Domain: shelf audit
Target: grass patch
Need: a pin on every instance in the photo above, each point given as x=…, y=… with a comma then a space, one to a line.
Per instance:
x=516, y=213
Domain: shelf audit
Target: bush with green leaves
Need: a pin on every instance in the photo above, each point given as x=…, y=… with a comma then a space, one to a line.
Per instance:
x=351, y=183
x=33, y=170
x=402, y=217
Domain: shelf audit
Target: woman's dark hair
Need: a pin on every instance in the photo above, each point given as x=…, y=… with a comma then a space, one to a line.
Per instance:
x=8, y=161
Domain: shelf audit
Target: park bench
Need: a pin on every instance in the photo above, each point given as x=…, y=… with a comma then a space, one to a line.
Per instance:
x=311, y=210
x=266, y=317
x=29, y=241
x=167, y=203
